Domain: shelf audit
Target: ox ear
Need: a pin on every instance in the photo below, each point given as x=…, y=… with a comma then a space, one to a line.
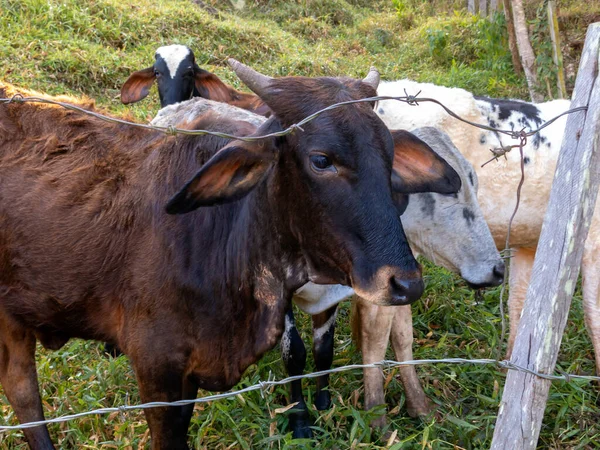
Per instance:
x=210, y=86
x=137, y=85
x=228, y=176
x=417, y=168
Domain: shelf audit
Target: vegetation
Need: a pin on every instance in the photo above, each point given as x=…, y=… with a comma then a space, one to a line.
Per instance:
x=90, y=48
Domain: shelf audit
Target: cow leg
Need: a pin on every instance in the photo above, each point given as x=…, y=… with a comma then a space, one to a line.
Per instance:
x=18, y=376
x=374, y=325
x=323, y=332
x=163, y=381
x=190, y=390
x=417, y=403
x=521, y=264
x=293, y=354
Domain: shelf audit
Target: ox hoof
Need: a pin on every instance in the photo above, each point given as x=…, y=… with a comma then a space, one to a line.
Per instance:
x=422, y=408
x=300, y=427
x=379, y=422
x=323, y=400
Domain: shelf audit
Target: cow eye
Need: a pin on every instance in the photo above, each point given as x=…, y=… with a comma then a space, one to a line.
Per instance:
x=321, y=163
x=156, y=73
x=454, y=195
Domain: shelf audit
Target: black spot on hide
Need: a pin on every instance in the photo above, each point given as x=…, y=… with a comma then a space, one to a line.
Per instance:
x=428, y=205
x=468, y=215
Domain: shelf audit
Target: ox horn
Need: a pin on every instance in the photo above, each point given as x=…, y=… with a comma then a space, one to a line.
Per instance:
x=372, y=78
x=256, y=81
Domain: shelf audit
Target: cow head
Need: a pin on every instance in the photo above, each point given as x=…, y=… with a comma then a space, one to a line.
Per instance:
x=450, y=230
x=178, y=78
x=329, y=185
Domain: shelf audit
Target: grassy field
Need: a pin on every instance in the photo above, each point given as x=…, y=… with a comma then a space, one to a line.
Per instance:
x=90, y=48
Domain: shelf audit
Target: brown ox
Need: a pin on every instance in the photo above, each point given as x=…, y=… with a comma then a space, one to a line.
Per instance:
x=86, y=249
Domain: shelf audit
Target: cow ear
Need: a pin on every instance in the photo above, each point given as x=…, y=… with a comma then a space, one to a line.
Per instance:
x=137, y=85
x=417, y=168
x=210, y=86
x=228, y=176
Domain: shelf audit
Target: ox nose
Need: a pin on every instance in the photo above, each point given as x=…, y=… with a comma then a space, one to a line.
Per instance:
x=499, y=271
x=405, y=292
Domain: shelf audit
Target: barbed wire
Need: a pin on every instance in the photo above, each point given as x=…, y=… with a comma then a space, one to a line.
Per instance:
x=506, y=253
x=171, y=130
x=263, y=385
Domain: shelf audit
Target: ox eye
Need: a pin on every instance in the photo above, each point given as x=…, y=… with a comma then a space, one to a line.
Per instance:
x=156, y=73
x=321, y=163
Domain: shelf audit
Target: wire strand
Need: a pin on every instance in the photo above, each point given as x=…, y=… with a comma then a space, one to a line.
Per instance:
x=262, y=385
x=411, y=100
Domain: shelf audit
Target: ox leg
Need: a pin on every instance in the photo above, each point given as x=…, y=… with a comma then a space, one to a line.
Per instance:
x=417, y=403
x=293, y=354
x=374, y=325
x=18, y=376
x=190, y=391
x=590, y=272
x=163, y=381
x=521, y=264
x=323, y=333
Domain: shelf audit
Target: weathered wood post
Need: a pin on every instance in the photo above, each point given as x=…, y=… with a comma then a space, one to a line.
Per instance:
x=557, y=261
x=556, y=51
x=472, y=6
x=483, y=8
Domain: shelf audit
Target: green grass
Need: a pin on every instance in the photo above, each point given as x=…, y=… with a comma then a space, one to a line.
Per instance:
x=450, y=321
x=91, y=47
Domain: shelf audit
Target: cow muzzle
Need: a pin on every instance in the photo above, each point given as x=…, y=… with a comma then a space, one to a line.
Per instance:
x=405, y=292
x=389, y=287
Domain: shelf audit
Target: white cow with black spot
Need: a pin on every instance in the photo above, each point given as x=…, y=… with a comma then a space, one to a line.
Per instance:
x=498, y=180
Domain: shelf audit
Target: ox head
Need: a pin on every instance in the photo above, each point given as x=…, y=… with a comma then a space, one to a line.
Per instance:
x=329, y=185
x=450, y=229
x=178, y=78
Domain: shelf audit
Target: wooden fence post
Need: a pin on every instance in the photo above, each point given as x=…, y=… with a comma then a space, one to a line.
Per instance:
x=483, y=8
x=557, y=261
x=556, y=51
x=492, y=8
x=472, y=6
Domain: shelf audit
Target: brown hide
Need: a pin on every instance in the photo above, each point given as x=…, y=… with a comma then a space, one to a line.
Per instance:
x=86, y=249
x=101, y=253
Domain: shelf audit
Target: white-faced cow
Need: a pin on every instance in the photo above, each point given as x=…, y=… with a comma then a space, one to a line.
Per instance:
x=194, y=297
x=179, y=78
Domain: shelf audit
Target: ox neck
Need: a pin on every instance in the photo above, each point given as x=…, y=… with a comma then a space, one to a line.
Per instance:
x=240, y=260
x=258, y=283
